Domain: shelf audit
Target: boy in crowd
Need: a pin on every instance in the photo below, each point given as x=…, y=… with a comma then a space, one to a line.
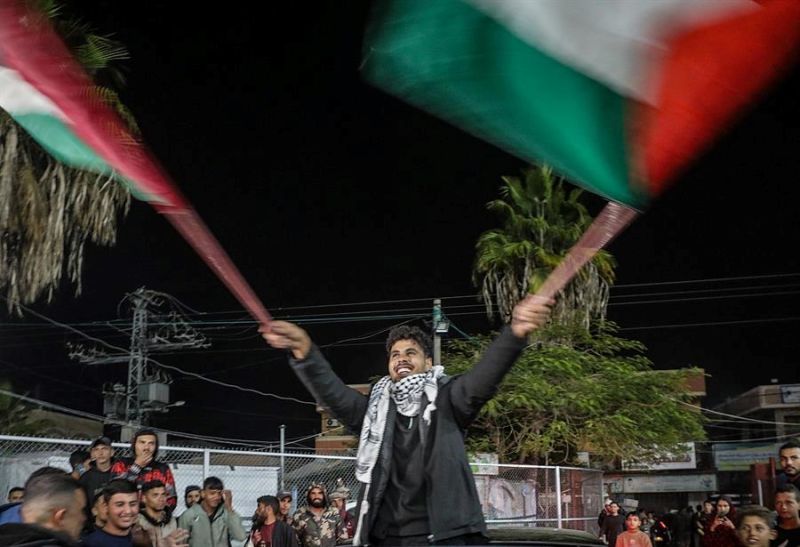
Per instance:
x=755, y=527
x=787, y=505
x=122, y=500
x=153, y=515
x=632, y=536
x=212, y=522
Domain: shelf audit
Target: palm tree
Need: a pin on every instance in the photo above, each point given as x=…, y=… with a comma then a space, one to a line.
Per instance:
x=541, y=221
x=48, y=210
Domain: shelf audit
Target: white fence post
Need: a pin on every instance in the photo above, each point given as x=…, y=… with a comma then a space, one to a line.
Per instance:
x=206, y=463
x=558, y=497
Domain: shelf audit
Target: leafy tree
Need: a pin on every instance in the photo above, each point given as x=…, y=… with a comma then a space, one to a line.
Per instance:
x=541, y=221
x=597, y=393
x=49, y=210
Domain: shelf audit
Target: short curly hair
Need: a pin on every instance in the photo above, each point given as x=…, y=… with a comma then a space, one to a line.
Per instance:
x=404, y=332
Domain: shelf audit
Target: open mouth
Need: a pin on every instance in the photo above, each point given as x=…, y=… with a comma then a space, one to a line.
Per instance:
x=403, y=370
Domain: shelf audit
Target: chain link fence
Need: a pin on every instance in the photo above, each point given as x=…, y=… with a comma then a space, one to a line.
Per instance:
x=511, y=495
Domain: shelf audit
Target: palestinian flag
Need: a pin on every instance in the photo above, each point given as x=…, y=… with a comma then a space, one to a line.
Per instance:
x=44, y=89
x=619, y=95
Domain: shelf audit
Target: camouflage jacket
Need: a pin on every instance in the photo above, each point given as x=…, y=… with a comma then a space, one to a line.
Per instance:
x=323, y=531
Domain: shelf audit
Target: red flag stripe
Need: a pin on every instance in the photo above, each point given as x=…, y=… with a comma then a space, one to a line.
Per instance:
x=710, y=76
x=29, y=45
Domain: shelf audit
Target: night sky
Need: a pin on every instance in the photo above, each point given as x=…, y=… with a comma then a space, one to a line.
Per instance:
x=325, y=190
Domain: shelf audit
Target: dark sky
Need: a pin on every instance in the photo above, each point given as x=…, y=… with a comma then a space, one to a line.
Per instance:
x=325, y=190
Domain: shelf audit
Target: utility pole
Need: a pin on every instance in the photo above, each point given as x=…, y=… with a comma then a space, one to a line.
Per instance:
x=440, y=326
x=437, y=336
x=156, y=325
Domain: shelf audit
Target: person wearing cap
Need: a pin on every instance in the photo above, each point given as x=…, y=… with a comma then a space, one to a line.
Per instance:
x=285, y=500
x=191, y=495
x=338, y=497
x=101, y=456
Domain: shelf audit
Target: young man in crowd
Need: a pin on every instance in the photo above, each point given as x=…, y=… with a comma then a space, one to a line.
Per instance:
x=755, y=528
x=632, y=536
x=787, y=505
x=191, y=495
x=411, y=455
x=9, y=512
x=16, y=494
x=613, y=524
x=144, y=467
x=269, y=530
x=338, y=498
x=789, y=455
x=52, y=514
x=122, y=501
x=153, y=516
x=99, y=472
x=285, y=499
x=99, y=512
x=317, y=523
x=212, y=522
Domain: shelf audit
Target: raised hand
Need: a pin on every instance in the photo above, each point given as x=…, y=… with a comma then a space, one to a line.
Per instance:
x=530, y=314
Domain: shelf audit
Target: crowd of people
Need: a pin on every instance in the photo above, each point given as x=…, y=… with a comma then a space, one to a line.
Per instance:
x=716, y=523
x=132, y=502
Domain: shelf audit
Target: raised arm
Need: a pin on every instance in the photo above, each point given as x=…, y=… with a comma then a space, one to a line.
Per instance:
x=346, y=404
x=472, y=389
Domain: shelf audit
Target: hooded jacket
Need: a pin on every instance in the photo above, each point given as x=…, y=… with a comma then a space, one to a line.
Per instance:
x=446, y=471
x=31, y=535
x=323, y=531
x=126, y=468
x=157, y=528
x=211, y=531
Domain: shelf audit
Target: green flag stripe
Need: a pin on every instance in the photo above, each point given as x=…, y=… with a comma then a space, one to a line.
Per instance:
x=454, y=61
x=62, y=143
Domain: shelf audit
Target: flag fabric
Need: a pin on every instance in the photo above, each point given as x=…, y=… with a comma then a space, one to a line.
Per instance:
x=618, y=95
x=45, y=90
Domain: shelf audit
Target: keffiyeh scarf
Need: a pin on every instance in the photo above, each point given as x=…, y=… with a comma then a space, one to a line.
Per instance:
x=407, y=395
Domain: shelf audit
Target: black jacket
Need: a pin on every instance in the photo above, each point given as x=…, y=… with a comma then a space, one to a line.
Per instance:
x=448, y=476
x=282, y=536
x=31, y=535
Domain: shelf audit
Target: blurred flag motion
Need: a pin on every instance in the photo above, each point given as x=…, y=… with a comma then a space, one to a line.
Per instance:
x=45, y=90
x=617, y=95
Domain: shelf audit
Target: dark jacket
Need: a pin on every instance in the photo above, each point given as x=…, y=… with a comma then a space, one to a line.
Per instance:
x=94, y=479
x=447, y=472
x=126, y=468
x=282, y=536
x=31, y=535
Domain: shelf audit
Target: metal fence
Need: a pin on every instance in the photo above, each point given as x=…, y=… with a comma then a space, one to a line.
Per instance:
x=511, y=495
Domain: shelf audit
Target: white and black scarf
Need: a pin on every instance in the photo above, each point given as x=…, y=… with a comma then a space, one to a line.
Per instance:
x=407, y=395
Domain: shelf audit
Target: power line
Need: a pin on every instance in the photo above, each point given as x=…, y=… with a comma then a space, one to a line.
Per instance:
x=169, y=367
x=734, y=416
x=711, y=323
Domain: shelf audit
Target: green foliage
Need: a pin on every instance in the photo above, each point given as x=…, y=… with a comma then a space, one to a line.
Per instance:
x=597, y=393
x=541, y=220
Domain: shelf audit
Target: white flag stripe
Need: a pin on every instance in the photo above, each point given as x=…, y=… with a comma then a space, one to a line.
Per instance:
x=18, y=97
x=617, y=42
